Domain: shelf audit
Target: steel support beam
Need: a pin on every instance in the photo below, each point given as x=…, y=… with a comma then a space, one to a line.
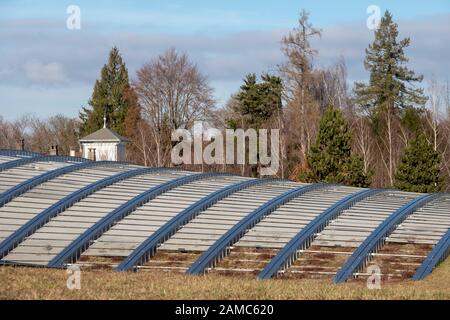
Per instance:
x=148, y=248
x=74, y=250
x=305, y=237
x=18, y=153
x=219, y=249
x=375, y=240
x=42, y=218
x=27, y=160
x=439, y=253
x=29, y=184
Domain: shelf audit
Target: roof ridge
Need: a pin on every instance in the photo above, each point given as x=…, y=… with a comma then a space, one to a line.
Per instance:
x=104, y=134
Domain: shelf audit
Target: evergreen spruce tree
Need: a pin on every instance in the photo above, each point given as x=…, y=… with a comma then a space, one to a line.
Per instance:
x=330, y=159
x=391, y=94
x=257, y=105
x=391, y=84
x=258, y=102
x=418, y=170
x=112, y=97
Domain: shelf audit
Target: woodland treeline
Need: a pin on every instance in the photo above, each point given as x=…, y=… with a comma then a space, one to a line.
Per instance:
x=391, y=131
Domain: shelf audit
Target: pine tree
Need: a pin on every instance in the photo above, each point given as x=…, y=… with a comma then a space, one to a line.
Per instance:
x=390, y=93
x=258, y=102
x=257, y=105
x=418, y=170
x=354, y=172
x=330, y=159
x=111, y=97
x=391, y=83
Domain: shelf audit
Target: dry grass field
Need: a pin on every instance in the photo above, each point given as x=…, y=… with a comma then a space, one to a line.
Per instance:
x=30, y=283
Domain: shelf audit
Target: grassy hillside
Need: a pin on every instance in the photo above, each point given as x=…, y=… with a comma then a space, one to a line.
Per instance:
x=29, y=283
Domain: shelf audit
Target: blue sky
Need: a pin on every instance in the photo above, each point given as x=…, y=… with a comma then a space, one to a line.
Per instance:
x=47, y=69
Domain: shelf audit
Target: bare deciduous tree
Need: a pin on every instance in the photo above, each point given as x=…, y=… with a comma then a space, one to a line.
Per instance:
x=12, y=132
x=40, y=134
x=57, y=130
x=436, y=104
x=302, y=109
x=363, y=138
x=330, y=87
x=173, y=94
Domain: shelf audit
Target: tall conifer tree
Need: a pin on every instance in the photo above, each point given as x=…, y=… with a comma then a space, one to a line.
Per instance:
x=330, y=159
x=112, y=97
x=391, y=94
x=418, y=170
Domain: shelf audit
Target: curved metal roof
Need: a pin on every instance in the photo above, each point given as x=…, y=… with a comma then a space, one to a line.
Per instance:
x=56, y=211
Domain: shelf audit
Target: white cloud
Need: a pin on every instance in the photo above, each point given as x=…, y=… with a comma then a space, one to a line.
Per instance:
x=44, y=55
x=6, y=72
x=44, y=73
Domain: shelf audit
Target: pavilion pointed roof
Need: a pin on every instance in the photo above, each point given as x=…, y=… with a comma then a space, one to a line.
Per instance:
x=104, y=135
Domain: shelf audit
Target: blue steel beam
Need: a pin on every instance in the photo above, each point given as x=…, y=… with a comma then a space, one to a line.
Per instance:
x=304, y=238
x=42, y=218
x=148, y=248
x=74, y=250
x=23, y=161
x=29, y=184
x=375, y=240
x=20, y=153
x=439, y=253
x=18, y=162
x=219, y=249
